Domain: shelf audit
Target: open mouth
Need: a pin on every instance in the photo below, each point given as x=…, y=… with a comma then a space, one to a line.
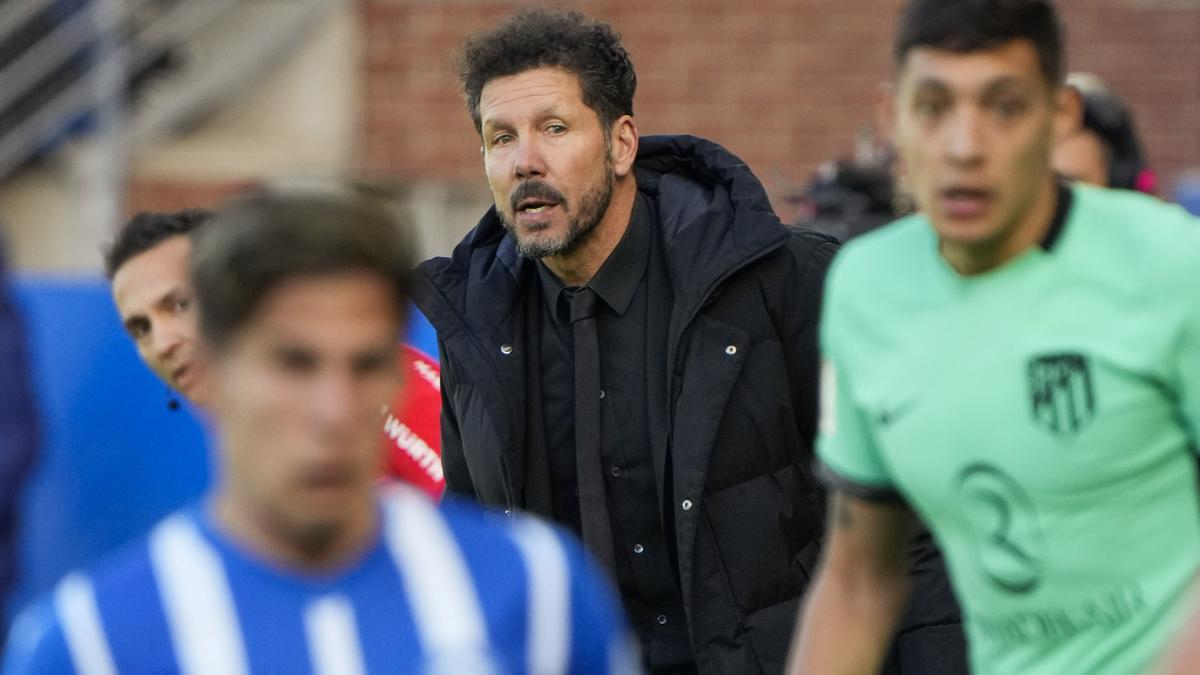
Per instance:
x=535, y=206
x=965, y=202
x=533, y=198
x=329, y=479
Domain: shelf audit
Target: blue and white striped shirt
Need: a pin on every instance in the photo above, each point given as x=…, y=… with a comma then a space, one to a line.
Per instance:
x=445, y=589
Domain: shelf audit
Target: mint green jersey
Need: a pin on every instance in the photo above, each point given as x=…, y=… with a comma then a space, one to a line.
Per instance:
x=1040, y=417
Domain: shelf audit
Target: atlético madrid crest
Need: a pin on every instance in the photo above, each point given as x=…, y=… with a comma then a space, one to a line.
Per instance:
x=1061, y=393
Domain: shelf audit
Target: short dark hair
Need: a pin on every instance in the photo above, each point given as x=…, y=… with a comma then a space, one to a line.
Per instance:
x=976, y=25
x=259, y=240
x=535, y=38
x=149, y=229
x=1108, y=116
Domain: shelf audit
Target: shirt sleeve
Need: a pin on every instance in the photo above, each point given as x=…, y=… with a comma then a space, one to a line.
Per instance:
x=1187, y=369
x=36, y=645
x=849, y=457
x=1184, y=361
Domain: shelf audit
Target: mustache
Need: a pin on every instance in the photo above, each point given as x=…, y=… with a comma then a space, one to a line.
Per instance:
x=535, y=189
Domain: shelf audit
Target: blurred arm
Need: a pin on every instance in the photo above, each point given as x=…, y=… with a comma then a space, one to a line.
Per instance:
x=454, y=462
x=860, y=590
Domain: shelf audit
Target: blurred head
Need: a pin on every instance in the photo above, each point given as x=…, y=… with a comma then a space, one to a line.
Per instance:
x=1101, y=146
x=849, y=198
x=977, y=103
x=148, y=266
x=551, y=94
x=303, y=295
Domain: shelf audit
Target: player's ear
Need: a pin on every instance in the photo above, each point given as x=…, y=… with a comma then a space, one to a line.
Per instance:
x=624, y=135
x=1068, y=112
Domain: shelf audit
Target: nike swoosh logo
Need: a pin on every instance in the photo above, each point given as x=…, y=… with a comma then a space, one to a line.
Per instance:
x=890, y=416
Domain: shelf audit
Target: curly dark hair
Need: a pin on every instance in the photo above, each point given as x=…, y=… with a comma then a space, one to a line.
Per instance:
x=147, y=230
x=535, y=38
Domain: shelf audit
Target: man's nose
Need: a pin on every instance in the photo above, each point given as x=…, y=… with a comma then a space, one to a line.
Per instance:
x=527, y=160
x=165, y=339
x=965, y=137
x=334, y=400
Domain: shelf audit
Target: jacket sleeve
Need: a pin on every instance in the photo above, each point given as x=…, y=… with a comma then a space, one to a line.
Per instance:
x=812, y=254
x=454, y=461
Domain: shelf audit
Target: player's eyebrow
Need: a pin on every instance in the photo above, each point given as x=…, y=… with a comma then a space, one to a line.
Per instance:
x=1005, y=84
x=172, y=296
x=500, y=122
x=930, y=84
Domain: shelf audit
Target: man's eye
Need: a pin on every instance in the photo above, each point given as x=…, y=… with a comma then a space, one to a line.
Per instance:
x=556, y=128
x=182, y=304
x=1009, y=107
x=296, y=361
x=502, y=139
x=929, y=107
x=370, y=364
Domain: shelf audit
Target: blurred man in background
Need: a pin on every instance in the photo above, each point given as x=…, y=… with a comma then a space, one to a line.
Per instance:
x=848, y=198
x=1101, y=146
x=294, y=562
x=18, y=433
x=1020, y=365
x=628, y=345
x=148, y=265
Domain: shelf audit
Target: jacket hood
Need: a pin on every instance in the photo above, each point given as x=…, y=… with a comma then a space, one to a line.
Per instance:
x=713, y=211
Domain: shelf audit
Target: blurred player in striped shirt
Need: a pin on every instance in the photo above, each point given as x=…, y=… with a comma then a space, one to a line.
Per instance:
x=294, y=561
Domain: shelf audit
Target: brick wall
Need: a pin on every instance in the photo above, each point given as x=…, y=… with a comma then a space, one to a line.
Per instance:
x=783, y=83
x=172, y=195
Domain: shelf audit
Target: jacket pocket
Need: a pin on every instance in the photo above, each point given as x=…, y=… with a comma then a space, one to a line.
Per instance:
x=765, y=532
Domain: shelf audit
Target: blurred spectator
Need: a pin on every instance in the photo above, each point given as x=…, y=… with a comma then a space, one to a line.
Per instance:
x=1102, y=148
x=847, y=198
x=18, y=433
x=148, y=265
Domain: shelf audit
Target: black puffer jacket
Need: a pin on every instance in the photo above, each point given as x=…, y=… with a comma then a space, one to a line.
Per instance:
x=741, y=370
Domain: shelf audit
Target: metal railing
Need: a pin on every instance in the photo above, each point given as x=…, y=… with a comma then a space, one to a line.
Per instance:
x=82, y=66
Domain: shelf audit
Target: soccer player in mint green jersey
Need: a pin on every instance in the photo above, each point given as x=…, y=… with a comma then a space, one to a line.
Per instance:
x=1019, y=365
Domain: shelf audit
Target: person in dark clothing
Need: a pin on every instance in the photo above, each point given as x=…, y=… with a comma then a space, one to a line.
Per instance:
x=18, y=434
x=628, y=343
x=1101, y=146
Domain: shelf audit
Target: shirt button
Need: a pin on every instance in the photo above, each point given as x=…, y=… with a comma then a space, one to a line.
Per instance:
x=601, y=393
x=731, y=350
x=638, y=548
x=661, y=619
x=686, y=504
x=506, y=349
x=615, y=472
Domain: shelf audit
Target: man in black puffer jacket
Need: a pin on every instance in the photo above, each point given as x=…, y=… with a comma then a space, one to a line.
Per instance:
x=628, y=344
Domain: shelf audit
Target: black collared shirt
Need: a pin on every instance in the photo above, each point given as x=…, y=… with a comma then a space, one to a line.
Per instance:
x=631, y=325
